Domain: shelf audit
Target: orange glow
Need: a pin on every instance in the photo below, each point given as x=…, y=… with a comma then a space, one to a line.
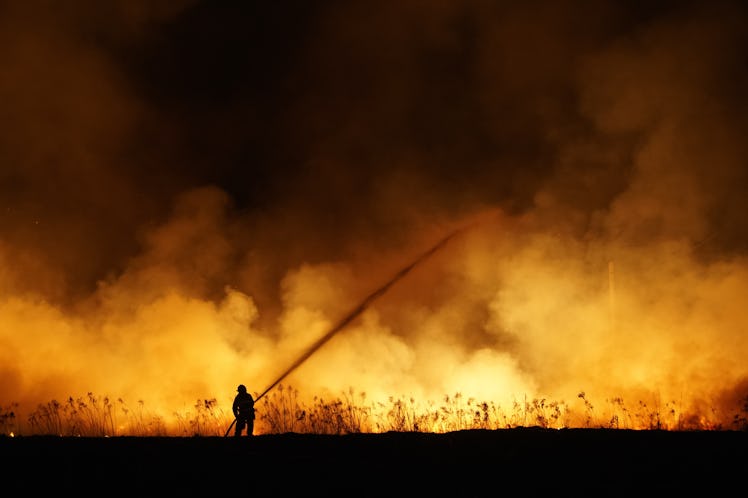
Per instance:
x=188, y=205
x=504, y=314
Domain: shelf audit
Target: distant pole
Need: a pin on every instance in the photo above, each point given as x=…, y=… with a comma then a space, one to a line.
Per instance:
x=611, y=296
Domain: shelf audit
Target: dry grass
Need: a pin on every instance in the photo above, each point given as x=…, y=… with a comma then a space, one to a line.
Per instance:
x=282, y=411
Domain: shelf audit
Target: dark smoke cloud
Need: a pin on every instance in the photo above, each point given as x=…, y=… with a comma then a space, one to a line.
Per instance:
x=351, y=121
x=73, y=194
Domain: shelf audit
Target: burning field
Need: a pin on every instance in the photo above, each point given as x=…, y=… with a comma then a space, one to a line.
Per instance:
x=381, y=217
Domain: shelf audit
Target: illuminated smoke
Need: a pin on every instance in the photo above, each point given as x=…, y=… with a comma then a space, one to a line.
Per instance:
x=146, y=254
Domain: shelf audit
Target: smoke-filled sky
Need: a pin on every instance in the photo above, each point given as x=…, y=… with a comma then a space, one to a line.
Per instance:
x=193, y=192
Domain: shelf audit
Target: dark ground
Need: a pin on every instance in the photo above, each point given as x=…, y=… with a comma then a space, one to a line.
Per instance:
x=525, y=461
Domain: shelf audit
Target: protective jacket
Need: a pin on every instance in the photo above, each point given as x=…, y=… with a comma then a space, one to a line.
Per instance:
x=244, y=406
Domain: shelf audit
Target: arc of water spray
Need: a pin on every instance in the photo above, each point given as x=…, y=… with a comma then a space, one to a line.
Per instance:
x=360, y=309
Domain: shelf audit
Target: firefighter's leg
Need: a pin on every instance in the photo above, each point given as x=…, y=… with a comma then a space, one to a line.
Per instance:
x=240, y=424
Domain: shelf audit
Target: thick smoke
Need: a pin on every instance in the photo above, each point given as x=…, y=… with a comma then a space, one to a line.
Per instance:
x=195, y=193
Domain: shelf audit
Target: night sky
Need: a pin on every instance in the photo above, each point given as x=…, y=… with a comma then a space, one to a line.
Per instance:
x=204, y=145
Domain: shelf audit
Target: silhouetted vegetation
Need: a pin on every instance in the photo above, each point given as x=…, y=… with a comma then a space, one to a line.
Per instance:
x=282, y=411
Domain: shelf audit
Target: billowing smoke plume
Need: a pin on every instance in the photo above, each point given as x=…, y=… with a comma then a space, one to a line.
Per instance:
x=194, y=193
